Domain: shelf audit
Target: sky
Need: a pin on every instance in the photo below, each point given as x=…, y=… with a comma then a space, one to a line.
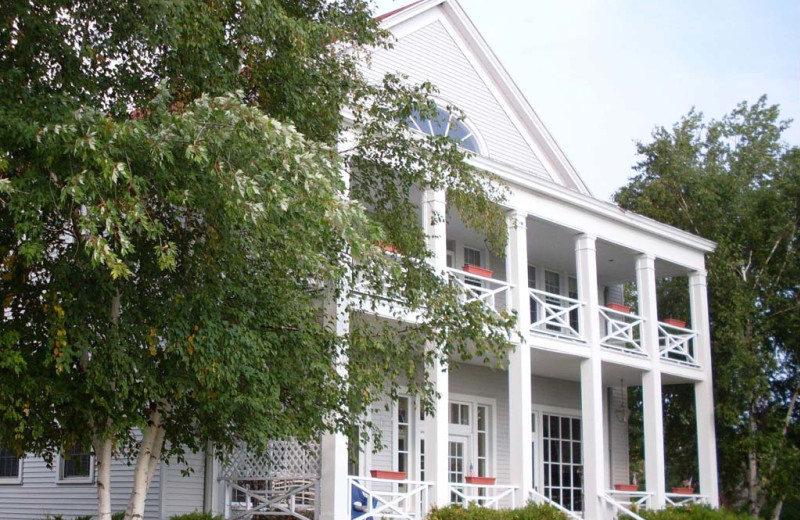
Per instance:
x=602, y=74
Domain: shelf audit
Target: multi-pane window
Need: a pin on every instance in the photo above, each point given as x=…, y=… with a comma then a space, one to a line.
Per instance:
x=483, y=440
x=459, y=414
x=472, y=256
x=403, y=433
x=447, y=125
x=9, y=464
x=76, y=463
x=563, y=460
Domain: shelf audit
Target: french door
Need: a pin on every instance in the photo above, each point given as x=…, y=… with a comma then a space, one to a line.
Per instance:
x=562, y=460
x=458, y=456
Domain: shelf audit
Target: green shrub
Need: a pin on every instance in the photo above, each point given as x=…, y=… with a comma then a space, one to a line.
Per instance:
x=196, y=516
x=529, y=512
x=118, y=516
x=691, y=512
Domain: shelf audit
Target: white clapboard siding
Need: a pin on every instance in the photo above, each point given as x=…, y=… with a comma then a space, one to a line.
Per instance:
x=431, y=54
x=183, y=494
x=40, y=494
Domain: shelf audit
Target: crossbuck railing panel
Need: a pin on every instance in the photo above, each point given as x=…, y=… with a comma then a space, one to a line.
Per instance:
x=555, y=315
x=636, y=499
x=616, y=508
x=491, y=497
x=677, y=344
x=622, y=331
x=496, y=294
x=680, y=500
x=381, y=498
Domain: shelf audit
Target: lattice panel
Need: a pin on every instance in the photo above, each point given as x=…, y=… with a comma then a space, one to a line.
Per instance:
x=286, y=459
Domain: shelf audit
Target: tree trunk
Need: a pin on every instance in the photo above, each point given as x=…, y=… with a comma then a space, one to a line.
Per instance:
x=776, y=513
x=753, y=504
x=102, y=454
x=146, y=464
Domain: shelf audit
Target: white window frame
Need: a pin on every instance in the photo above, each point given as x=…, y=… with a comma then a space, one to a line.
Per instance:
x=14, y=480
x=60, y=479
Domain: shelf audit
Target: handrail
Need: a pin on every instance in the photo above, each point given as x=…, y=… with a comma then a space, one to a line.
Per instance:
x=489, y=502
x=536, y=496
x=619, y=508
x=554, y=318
x=621, y=331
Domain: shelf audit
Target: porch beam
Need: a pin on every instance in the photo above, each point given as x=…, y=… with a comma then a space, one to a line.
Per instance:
x=519, y=368
x=437, y=426
x=703, y=390
x=591, y=379
x=654, y=468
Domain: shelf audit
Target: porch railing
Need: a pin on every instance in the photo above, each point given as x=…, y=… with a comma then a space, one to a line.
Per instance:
x=488, y=496
x=555, y=315
x=539, y=498
x=617, y=508
x=496, y=294
x=680, y=500
x=677, y=344
x=382, y=498
x=635, y=499
x=622, y=331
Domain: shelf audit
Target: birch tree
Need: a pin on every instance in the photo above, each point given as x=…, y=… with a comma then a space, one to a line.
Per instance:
x=735, y=181
x=173, y=217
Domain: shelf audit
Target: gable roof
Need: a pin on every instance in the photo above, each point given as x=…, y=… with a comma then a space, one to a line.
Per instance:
x=553, y=160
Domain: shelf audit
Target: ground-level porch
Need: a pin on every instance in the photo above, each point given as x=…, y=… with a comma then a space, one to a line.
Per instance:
x=400, y=478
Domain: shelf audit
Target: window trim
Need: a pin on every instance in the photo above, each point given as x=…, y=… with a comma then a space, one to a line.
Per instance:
x=12, y=481
x=60, y=479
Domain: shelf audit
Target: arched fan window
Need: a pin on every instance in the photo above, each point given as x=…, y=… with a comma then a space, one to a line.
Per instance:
x=448, y=125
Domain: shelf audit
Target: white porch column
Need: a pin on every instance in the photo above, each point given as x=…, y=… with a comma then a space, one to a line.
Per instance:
x=519, y=366
x=594, y=474
x=437, y=427
x=703, y=390
x=333, y=489
x=651, y=382
x=333, y=492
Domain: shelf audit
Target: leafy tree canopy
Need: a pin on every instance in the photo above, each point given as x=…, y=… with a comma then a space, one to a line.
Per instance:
x=174, y=221
x=734, y=181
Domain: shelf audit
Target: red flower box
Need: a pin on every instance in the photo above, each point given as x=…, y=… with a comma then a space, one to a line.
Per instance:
x=480, y=271
x=683, y=490
x=389, y=248
x=626, y=487
x=675, y=323
x=484, y=481
x=619, y=307
x=390, y=475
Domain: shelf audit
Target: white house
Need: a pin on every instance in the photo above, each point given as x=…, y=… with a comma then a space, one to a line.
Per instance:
x=552, y=426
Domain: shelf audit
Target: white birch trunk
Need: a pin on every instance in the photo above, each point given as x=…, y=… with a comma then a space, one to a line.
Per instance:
x=102, y=453
x=152, y=440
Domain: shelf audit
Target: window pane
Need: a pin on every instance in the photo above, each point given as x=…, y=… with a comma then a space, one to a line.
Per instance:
x=76, y=463
x=472, y=256
x=576, y=429
x=9, y=464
